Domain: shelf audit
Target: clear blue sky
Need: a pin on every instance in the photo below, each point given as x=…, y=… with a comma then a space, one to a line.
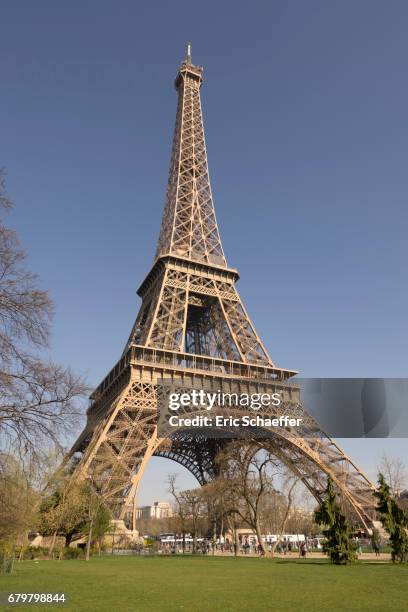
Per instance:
x=305, y=109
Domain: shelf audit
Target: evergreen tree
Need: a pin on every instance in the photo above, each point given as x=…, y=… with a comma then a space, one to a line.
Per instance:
x=395, y=521
x=338, y=545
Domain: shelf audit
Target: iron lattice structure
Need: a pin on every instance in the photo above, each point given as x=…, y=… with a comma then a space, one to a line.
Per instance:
x=193, y=328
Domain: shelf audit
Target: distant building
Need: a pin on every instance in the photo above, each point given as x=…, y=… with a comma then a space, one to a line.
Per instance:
x=159, y=510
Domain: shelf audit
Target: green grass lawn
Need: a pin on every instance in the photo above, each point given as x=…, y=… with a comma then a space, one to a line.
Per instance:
x=212, y=583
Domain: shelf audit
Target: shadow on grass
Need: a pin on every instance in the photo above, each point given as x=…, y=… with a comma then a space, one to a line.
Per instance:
x=304, y=561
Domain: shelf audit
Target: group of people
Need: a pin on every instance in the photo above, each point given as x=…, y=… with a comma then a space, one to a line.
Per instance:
x=249, y=545
x=283, y=547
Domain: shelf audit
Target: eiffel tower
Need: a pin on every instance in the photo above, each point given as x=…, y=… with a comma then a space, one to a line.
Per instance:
x=192, y=328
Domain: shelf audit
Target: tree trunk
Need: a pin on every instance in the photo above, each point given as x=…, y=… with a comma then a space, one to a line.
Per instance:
x=23, y=539
x=285, y=519
x=235, y=536
x=260, y=541
x=51, y=550
x=68, y=539
x=88, y=544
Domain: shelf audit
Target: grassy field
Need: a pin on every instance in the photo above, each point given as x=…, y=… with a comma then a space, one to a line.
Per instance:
x=212, y=583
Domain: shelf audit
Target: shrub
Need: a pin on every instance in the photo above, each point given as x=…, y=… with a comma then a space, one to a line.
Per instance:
x=72, y=553
x=33, y=552
x=6, y=562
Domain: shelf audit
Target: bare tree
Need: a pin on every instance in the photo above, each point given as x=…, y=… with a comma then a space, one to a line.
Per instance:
x=38, y=398
x=155, y=526
x=215, y=499
x=288, y=489
x=247, y=475
x=258, y=490
x=18, y=503
x=181, y=511
x=190, y=510
x=301, y=521
x=223, y=501
x=395, y=473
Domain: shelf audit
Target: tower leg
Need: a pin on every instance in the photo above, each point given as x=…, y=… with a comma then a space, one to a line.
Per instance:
x=121, y=447
x=131, y=495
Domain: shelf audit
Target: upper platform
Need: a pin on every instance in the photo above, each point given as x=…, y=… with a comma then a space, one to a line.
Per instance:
x=188, y=70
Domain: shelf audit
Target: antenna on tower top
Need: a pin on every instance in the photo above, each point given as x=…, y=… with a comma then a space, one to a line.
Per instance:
x=189, y=53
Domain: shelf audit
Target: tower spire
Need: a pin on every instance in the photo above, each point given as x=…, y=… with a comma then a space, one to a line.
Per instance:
x=189, y=227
